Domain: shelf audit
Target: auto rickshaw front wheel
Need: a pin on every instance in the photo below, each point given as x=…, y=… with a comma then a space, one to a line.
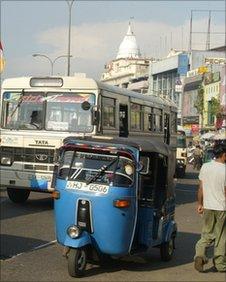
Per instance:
x=18, y=195
x=166, y=250
x=77, y=259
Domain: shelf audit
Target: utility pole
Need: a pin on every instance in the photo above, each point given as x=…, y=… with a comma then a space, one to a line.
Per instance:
x=70, y=3
x=208, y=32
x=190, y=39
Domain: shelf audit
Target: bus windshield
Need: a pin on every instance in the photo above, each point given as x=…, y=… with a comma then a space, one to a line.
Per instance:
x=50, y=111
x=82, y=166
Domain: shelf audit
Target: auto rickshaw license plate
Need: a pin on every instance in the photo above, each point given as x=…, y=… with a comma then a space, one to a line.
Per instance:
x=93, y=188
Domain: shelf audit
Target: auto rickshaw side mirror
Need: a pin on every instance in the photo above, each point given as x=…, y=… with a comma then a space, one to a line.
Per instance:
x=140, y=167
x=54, y=178
x=144, y=165
x=95, y=115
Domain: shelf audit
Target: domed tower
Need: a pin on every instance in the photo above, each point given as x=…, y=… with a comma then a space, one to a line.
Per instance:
x=129, y=69
x=128, y=48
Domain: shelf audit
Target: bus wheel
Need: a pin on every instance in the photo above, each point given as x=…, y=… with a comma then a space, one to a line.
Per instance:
x=166, y=250
x=18, y=195
x=77, y=260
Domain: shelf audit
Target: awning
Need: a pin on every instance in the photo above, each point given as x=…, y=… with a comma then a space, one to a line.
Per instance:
x=208, y=135
x=220, y=136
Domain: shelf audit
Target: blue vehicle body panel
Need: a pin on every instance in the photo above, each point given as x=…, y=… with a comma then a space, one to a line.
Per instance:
x=170, y=228
x=38, y=184
x=84, y=240
x=145, y=224
x=112, y=227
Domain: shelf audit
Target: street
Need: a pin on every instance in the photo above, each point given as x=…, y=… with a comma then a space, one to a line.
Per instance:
x=29, y=251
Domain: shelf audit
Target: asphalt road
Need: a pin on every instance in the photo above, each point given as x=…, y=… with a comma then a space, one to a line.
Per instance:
x=29, y=251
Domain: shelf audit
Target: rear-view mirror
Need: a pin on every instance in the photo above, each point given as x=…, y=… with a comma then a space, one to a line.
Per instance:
x=86, y=105
x=144, y=165
x=95, y=116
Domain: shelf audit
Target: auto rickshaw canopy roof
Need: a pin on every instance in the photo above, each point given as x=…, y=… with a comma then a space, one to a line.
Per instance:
x=151, y=146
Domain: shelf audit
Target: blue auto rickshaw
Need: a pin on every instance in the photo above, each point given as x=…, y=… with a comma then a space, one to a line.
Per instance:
x=114, y=197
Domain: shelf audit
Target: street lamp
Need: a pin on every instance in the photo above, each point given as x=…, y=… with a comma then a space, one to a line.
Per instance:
x=51, y=61
x=70, y=3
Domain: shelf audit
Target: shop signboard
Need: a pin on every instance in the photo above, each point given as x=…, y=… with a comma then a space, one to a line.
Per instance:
x=191, y=120
x=183, y=63
x=215, y=61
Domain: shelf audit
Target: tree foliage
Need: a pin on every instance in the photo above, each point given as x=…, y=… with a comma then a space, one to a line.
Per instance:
x=215, y=107
x=199, y=103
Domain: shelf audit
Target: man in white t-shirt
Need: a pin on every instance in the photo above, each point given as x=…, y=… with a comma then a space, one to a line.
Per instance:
x=212, y=204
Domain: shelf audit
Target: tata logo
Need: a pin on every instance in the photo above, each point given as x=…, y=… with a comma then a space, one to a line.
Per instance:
x=41, y=157
x=41, y=142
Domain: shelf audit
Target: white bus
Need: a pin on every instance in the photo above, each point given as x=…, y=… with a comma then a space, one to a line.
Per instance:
x=37, y=113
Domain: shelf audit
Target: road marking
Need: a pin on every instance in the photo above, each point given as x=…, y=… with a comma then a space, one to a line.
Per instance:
x=33, y=249
x=44, y=245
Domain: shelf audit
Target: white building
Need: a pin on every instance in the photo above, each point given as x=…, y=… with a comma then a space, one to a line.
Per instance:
x=167, y=75
x=129, y=69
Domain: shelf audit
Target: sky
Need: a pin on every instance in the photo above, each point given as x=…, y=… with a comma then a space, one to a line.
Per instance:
x=97, y=29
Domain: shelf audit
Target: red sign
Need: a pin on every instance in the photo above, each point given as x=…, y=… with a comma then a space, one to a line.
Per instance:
x=195, y=128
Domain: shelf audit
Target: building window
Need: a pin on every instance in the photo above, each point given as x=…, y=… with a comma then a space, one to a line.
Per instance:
x=210, y=115
x=136, y=113
x=108, y=112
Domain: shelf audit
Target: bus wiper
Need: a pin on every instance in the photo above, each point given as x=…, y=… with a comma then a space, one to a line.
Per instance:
x=101, y=171
x=18, y=104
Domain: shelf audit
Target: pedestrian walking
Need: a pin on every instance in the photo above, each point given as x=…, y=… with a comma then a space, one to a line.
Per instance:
x=197, y=157
x=212, y=205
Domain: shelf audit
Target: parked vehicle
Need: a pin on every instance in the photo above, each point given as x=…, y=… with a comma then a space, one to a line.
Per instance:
x=181, y=153
x=114, y=197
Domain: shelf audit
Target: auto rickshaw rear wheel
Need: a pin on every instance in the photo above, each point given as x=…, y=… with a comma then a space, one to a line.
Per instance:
x=77, y=259
x=18, y=195
x=166, y=250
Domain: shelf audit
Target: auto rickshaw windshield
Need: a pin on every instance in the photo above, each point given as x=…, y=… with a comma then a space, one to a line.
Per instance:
x=96, y=167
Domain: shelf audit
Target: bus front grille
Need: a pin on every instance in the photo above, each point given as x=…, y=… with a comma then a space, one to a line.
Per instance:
x=29, y=155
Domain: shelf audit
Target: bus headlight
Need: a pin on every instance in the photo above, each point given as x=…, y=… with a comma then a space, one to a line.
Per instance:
x=6, y=161
x=74, y=231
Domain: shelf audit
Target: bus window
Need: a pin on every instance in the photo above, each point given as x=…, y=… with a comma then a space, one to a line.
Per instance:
x=64, y=112
x=147, y=119
x=173, y=122
x=157, y=120
x=23, y=110
x=166, y=129
x=108, y=106
x=123, y=121
x=136, y=111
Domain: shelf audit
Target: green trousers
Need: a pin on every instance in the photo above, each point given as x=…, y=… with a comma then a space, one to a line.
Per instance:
x=213, y=231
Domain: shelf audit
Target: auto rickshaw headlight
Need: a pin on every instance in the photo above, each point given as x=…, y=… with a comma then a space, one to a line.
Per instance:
x=74, y=231
x=129, y=169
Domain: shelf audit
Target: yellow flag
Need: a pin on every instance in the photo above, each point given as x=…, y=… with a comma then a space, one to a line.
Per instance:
x=2, y=60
